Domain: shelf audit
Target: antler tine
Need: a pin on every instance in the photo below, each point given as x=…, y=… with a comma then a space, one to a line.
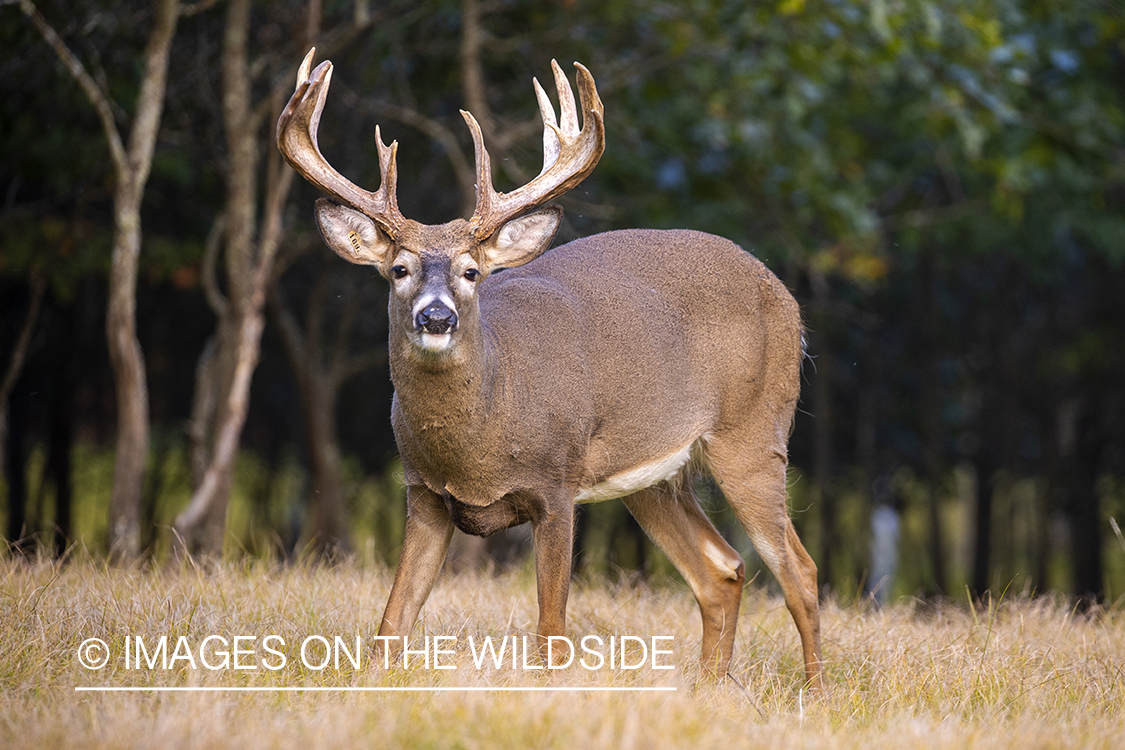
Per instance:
x=569, y=154
x=485, y=191
x=296, y=140
x=306, y=66
x=388, y=176
x=568, y=114
x=551, y=143
x=588, y=93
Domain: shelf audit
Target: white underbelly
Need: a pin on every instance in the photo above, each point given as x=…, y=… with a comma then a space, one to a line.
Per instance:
x=629, y=481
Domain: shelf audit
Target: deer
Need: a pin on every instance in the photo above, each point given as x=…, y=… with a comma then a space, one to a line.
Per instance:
x=618, y=366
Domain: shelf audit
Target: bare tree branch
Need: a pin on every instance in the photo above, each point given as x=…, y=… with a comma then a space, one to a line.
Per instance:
x=472, y=70
x=288, y=254
x=150, y=99
x=443, y=137
x=95, y=93
x=355, y=365
x=326, y=44
x=279, y=181
x=344, y=331
x=312, y=22
x=19, y=354
x=198, y=7
x=290, y=332
x=211, y=290
x=926, y=217
x=949, y=175
x=202, y=410
x=314, y=315
x=473, y=89
x=362, y=12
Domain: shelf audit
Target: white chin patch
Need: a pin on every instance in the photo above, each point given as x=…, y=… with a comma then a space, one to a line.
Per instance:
x=436, y=342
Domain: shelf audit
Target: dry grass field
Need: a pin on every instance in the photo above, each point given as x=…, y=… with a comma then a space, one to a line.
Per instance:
x=1023, y=674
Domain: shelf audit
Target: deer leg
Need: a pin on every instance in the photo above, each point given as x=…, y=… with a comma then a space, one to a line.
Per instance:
x=671, y=516
x=553, y=531
x=428, y=531
x=754, y=485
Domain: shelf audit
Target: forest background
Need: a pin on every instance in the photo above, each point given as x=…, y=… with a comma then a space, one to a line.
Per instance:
x=941, y=185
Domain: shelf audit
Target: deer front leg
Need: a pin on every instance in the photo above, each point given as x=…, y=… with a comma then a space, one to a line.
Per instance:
x=554, y=538
x=428, y=531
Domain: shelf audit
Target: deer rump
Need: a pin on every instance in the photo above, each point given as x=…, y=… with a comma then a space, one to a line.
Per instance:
x=614, y=359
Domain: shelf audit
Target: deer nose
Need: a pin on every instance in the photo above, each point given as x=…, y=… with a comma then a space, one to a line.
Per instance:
x=436, y=319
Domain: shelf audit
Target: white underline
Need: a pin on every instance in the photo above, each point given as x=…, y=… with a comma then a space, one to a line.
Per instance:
x=155, y=689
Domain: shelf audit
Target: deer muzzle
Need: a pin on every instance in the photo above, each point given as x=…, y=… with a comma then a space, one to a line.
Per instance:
x=436, y=319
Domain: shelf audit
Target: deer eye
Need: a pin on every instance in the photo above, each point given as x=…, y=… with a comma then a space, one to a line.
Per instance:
x=399, y=271
x=472, y=274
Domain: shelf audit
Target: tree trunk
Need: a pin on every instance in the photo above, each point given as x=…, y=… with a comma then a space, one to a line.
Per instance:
x=822, y=464
x=822, y=437
x=984, y=464
x=11, y=419
x=982, y=522
x=15, y=468
x=328, y=530
x=929, y=407
x=1085, y=507
x=202, y=525
x=19, y=353
x=61, y=438
x=222, y=355
x=867, y=455
x=321, y=368
x=241, y=204
x=131, y=165
x=129, y=378
x=472, y=73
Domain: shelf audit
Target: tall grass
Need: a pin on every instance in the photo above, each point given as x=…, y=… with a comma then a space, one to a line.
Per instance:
x=1026, y=673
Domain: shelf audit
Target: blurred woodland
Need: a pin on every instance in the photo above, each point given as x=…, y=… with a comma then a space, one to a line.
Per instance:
x=940, y=183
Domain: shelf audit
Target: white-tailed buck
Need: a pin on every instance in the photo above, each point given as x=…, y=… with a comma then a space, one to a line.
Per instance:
x=616, y=366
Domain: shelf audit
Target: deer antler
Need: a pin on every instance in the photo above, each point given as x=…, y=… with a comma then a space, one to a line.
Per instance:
x=296, y=140
x=569, y=154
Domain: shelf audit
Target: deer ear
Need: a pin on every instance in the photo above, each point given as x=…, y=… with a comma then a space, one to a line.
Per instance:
x=522, y=239
x=353, y=236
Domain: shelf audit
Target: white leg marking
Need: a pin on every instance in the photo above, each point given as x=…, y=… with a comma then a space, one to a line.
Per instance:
x=722, y=560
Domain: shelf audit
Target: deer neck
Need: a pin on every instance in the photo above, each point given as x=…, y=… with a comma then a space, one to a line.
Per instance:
x=446, y=400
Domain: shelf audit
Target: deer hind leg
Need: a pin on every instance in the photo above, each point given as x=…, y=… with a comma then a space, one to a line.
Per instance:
x=671, y=516
x=752, y=479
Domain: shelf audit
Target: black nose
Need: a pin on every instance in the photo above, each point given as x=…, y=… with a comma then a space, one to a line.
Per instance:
x=436, y=319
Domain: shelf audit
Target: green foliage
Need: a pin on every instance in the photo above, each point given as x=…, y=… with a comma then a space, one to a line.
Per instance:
x=803, y=125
